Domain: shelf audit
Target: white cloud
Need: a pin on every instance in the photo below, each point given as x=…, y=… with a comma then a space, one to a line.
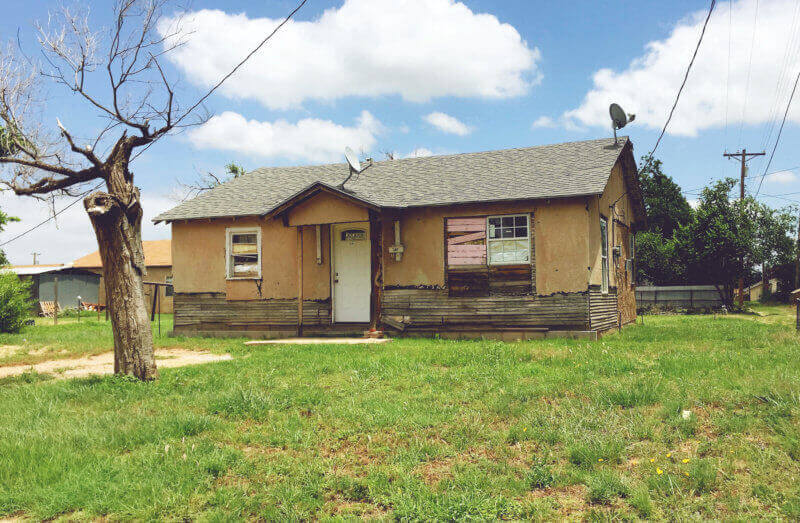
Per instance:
x=544, y=122
x=310, y=139
x=418, y=49
x=694, y=203
x=782, y=177
x=447, y=124
x=71, y=235
x=649, y=85
x=419, y=152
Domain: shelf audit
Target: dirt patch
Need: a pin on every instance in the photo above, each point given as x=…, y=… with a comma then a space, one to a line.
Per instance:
x=104, y=363
x=9, y=350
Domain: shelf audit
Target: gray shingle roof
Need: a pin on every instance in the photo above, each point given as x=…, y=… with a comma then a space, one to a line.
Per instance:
x=546, y=171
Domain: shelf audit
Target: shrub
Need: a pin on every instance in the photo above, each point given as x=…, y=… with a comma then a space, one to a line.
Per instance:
x=15, y=302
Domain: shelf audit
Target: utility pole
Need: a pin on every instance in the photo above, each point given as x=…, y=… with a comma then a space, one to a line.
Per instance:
x=743, y=158
x=35, y=257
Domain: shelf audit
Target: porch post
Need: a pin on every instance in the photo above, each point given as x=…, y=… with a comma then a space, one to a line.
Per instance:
x=376, y=246
x=299, y=280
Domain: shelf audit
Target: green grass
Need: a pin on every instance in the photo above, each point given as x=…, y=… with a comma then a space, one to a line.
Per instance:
x=418, y=429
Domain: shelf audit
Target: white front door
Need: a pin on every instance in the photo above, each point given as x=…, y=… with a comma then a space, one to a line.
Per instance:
x=351, y=272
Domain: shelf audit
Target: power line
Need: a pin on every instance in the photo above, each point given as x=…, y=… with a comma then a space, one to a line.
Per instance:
x=20, y=235
x=683, y=84
x=780, y=131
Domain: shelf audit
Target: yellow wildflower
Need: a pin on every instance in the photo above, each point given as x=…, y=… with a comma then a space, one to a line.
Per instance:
x=685, y=460
x=669, y=454
x=687, y=474
x=659, y=471
x=526, y=428
x=600, y=460
x=652, y=460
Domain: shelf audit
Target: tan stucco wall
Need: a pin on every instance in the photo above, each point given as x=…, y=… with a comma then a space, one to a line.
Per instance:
x=616, y=234
x=562, y=246
x=198, y=258
x=560, y=230
x=326, y=208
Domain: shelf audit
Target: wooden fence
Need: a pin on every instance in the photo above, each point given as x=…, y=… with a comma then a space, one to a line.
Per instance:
x=684, y=296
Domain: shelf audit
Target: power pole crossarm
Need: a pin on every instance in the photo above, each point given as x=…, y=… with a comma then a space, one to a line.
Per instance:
x=743, y=157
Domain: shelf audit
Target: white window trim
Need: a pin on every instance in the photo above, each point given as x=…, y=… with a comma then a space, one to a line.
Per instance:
x=528, y=237
x=229, y=232
x=605, y=266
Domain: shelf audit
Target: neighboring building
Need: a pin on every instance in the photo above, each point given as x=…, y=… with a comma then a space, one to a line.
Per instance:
x=158, y=262
x=72, y=282
x=506, y=243
x=755, y=291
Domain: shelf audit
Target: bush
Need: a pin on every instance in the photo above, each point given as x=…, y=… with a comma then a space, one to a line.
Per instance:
x=15, y=302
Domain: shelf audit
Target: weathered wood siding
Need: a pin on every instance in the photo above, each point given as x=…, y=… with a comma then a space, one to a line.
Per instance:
x=435, y=308
x=603, y=310
x=210, y=312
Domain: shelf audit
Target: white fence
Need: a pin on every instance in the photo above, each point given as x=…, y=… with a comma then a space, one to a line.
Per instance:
x=685, y=296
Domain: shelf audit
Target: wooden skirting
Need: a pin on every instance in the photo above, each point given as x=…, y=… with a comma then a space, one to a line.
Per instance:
x=425, y=309
x=422, y=312
x=212, y=313
x=603, y=311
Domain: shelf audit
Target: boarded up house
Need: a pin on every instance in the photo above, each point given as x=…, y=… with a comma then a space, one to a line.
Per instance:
x=158, y=262
x=511, y=243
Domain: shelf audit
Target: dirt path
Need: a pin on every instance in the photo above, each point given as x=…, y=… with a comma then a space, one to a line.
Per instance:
x=104, y=363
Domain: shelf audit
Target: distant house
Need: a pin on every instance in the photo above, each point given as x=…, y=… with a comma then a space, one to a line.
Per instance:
x=72, y=282
x=755, y=291
x=158, y=261
x=516, y=243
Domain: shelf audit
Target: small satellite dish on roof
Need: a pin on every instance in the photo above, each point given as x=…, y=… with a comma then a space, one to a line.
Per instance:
x=619, y=119
x=352, y=159
x=354, y=163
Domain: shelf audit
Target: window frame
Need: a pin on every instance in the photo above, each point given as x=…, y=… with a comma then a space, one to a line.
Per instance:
x=230, y=232
x=605, y=268
x=527, y=217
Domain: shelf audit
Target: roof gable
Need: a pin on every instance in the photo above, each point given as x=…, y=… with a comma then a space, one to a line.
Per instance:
x=157, y=253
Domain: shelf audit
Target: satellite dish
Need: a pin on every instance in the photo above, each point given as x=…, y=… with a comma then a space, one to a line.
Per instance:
x=619, y=119
x=352, y=159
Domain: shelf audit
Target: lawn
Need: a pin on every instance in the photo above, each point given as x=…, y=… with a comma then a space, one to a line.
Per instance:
x=682, y=417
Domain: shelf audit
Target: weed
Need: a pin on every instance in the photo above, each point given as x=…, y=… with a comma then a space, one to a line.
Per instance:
x=604, y=487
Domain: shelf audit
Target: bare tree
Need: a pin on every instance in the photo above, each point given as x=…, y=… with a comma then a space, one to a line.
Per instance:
x=117, y=75
x=206, y=181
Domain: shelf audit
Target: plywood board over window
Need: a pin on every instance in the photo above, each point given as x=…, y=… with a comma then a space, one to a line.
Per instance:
x=488, y=255
x=467, y=273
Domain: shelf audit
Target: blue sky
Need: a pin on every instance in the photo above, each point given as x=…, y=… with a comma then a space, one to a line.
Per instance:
x=437, y=76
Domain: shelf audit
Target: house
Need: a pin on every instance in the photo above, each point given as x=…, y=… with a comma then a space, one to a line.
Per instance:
x=755, y=291
x=72, y=282
x=512, y=244
x=158, y=262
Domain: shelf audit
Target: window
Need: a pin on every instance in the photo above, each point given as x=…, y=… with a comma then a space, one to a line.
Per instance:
x=169, y=290
x=243, y=253
x=604, y=252
x=508, y=239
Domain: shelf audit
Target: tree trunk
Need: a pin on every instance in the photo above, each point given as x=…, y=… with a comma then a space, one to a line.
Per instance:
x=117, y=218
